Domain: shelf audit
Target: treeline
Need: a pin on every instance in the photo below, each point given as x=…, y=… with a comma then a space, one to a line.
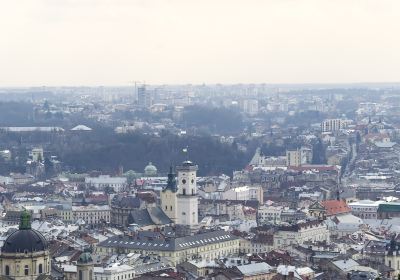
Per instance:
x=107, y=151
x=213, y=120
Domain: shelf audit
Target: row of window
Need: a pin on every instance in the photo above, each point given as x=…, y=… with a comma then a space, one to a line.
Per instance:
x=26, y=270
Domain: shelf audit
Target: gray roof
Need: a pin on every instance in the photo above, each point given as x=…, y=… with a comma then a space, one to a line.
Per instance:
x=169, y=244
x=150, y=216
x=126, y=201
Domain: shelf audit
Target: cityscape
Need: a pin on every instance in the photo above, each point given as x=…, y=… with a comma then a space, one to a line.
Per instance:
x=261, y=141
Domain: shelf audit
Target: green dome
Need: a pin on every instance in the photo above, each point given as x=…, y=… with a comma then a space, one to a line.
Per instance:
x=150, y=170
x=85, y=257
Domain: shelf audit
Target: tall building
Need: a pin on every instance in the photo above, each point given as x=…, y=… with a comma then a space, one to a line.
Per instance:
x=293, y=158
x=330, y=125
x=85, y=266
x=187, y=194
x=25, y=253
x=141, y=92
x=179, y=199
x=169, y=199
x=144, y=97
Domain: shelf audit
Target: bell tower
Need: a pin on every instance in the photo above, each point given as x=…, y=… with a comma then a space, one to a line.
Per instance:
x=187, y=211
x=168, y=196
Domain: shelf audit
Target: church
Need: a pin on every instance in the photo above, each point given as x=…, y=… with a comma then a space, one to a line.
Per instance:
x=179, y=199
x=25, y=253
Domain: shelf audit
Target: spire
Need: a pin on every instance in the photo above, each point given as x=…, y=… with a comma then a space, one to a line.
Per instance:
x=25, y=221
x=171, y=183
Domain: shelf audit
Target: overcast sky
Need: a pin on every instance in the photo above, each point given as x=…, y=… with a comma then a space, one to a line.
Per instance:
x=113, y=42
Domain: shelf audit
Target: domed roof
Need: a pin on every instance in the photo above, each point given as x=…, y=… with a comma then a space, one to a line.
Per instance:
x=24, y=240
x=85, y=257
x=150, y=169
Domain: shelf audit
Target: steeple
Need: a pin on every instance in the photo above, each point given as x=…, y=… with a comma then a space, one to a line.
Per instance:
x=171, y=183
x=25, y=222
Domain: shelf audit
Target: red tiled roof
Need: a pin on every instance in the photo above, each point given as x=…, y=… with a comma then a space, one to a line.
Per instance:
x=334, y=207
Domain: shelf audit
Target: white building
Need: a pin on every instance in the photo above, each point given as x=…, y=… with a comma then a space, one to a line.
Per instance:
x=91, y=214
x=113, y=272
x=244, y=193
x=293, y=158
x=312, y=231
x=330, y=125
x=269, y=214
x=250, y=106
x=106, y=181
x=187, y=200
x=179, y=199
x=365, y=209
x=260, y=160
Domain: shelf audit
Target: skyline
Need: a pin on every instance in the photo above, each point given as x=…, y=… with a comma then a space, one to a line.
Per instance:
x=112, y=43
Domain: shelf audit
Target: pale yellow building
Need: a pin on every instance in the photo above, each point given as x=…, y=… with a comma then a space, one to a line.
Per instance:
x=207, y=246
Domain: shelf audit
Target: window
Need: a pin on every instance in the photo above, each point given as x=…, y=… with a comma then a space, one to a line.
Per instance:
x=192, y=191
x=183, y=181
x=184, y=191
x=26, y=270
x=80, y=275
x=40, y=268
x=7, y=270
x=171, y=207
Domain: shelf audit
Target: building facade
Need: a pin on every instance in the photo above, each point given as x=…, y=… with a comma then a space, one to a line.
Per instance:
x=92, y=214
x=207, y=246
x=312, y=231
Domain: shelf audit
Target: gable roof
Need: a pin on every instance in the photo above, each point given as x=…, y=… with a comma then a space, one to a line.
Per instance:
x=334, y=207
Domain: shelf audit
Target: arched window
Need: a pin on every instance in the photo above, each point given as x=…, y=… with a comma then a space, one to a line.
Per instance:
x=40, y=268
x=171, y=207
x=184, y=191
x=7, y=270
x=26, y=270
x=192, y=191
x=80, y=275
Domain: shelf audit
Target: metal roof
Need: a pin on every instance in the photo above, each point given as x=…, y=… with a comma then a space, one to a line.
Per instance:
x=169, y=244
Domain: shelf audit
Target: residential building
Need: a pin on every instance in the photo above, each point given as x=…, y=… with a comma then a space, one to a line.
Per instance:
x=106, y=181
x=114, y=271
x=365, y=209
x=312, y=231
x=293, y=158
x=269, y=214
x=331, y=125
x=244, y=193
x=92, y=214
x=207, y=246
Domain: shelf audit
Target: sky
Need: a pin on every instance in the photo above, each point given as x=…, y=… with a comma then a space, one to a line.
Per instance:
x=116, y=42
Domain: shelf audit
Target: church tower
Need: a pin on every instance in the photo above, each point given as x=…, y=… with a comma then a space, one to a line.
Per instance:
x=85, y=266
x=169, y=200
x=187, y=212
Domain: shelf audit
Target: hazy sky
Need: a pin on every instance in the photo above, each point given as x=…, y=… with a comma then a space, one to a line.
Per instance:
x=113, y=42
